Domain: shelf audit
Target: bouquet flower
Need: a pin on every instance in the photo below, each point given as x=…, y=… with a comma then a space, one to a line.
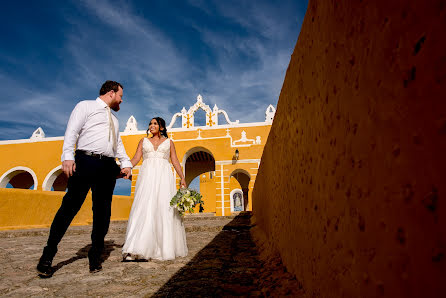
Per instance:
x=185, y=200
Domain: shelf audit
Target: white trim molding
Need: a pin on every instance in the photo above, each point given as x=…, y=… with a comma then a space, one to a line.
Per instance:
x=222, y=185
x=21, y=141
x=187, y=116
x=51, y=177
x=143, y=132
x=230, y=162
x=244, y=139
x=8, y=175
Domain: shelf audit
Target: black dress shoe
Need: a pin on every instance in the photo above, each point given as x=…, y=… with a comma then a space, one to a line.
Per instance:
x=95, y=266
x=44, y=268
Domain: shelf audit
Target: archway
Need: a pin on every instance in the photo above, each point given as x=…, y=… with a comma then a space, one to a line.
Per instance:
x=19, y=177
x=243, y=178
x=198, y=162
x=55, y=180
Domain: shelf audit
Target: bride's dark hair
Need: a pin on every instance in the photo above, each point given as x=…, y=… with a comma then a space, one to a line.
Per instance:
x=162, y=124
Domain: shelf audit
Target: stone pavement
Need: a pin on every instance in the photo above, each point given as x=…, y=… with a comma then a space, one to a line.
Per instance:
x=222, y=261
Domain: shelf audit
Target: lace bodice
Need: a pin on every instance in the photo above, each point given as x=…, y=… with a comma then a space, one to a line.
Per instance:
x=163, y=150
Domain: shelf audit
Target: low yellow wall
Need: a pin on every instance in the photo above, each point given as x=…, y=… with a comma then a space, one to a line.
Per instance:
x=26, y=209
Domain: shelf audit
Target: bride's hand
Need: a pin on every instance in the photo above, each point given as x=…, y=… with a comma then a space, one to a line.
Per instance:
x=183, y=182
x=126, y=173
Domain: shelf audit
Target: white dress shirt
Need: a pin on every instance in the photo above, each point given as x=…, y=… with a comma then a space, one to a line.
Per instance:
x=88, y=129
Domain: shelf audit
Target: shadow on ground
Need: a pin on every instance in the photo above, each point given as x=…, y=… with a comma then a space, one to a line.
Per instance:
x=229, y=266
x=82, y=253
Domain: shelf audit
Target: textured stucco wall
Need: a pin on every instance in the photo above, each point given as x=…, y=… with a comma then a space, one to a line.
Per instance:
x=27, y=209
x=352, y=183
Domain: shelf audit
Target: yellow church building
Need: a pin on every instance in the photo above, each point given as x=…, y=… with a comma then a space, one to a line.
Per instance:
x=225, y=156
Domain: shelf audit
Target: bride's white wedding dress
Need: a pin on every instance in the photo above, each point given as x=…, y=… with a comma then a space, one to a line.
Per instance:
x=155, y=229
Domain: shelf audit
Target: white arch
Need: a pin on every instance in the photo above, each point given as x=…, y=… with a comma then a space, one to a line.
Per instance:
x=174, y=118
x=8, y=175
x=199, y=105
x=51, y=177
x=227, y=118
x=236, y=190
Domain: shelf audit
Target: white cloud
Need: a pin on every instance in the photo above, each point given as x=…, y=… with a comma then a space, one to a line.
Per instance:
x=33, y=108
x=239, y=70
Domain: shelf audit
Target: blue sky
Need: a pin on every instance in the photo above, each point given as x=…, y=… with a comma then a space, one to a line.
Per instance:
x=56, y=53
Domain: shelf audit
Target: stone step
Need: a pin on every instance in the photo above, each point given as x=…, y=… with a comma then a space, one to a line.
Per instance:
x=210, y=216
x=192, y=222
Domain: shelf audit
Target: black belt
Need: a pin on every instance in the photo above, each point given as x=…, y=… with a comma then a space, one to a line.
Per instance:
x=95, y=155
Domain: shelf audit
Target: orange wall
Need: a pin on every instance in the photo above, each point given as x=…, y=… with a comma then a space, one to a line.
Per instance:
x=351, y=186
x=44, y=154
x=208, y=188
x=24, y=208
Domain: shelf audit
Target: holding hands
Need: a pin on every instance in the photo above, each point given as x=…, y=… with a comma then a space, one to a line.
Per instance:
x=126, y=173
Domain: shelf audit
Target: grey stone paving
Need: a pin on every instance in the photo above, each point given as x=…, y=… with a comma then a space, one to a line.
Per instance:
x=222, y=261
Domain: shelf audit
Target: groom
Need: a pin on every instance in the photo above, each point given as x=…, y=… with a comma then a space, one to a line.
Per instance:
x=94, y=131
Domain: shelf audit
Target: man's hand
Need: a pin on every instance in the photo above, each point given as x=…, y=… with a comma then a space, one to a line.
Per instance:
x=68, y=167
x=126, y=173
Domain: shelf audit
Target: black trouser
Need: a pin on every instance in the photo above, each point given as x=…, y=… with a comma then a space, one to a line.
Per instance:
x=96, y=174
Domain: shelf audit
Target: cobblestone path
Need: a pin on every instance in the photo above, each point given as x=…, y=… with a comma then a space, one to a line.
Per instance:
x=222, y=261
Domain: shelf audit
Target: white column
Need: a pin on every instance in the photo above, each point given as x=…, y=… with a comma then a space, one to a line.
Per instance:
x=222, y=191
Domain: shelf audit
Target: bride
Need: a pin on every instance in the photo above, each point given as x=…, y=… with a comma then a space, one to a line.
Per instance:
x=155, y=229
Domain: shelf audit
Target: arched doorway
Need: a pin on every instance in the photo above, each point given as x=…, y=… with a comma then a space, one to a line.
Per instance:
x=198, y=162
x=243, y=177
x=19, y=177
x=55, y=180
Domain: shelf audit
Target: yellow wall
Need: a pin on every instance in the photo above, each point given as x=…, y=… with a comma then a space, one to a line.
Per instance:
x=219, y=145
x=24, y=208
x=208, y=190
x=351, y=186
x=42, y=156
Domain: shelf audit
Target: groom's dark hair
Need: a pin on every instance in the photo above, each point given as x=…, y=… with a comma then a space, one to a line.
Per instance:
x=108, y=86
